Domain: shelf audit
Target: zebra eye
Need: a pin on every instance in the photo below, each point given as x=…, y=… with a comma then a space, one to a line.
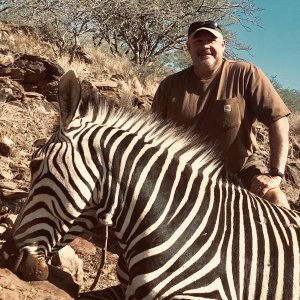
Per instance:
x=34, y=164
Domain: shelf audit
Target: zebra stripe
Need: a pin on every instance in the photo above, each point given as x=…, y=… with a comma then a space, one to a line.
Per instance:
x=185, y=231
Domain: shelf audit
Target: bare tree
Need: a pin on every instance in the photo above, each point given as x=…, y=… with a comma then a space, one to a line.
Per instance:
x=140, y=29
x=3, y=6
x=61, y=22
x=146, y=29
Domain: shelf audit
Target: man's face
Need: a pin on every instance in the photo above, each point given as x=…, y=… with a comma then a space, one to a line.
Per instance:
x=206, y=50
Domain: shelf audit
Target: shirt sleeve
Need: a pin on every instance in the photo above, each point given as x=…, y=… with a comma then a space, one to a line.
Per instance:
x=266, y=103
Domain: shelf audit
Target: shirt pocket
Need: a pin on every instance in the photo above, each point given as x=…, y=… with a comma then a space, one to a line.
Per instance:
x=227, y=112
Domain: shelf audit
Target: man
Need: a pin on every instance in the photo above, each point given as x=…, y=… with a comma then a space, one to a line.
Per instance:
x=222, y=99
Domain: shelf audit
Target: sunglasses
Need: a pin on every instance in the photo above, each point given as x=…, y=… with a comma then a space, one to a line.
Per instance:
x=207, y=24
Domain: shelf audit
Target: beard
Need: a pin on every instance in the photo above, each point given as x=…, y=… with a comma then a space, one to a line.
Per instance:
x=207, y=61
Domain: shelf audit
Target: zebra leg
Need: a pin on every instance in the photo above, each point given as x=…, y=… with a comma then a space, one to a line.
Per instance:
x=122, y=271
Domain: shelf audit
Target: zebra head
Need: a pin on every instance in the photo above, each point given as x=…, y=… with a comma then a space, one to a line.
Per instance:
x=47, y=218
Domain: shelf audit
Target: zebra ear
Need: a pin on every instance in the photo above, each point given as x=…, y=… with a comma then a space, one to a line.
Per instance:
x=69, y=91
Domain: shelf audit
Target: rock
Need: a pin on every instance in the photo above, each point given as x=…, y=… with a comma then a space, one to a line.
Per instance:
x=8, y=195
x=13, y=288
x=8, y=185
x=5, y=93
x=2, y=231
x=63, y=280
x=34, y=95
x=17, y=74
x=3, y=210
x=7, y=219
x=82, y=246
x=35, y=74
x=19, y=170
x=5, y=150
x=49, y=89
x=6, y=174
x=6, y=59
x=7, y=141
x=10, y=90
x=294, y=149
x=69, y=262
x=293, y=173
x=39, y=64
x=105, y=85
x=6, y=223
x=117, y=77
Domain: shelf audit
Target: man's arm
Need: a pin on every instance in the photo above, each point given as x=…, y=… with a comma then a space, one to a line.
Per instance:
x=279, y=143
x=264, y=185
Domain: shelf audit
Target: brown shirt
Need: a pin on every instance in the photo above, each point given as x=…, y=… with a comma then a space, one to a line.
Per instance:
x=223, y=108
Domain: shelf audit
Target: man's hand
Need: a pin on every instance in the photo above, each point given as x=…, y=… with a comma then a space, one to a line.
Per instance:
x=261, y=184
x=268, y=187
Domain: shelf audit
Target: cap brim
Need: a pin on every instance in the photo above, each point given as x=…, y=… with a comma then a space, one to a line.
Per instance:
x=216, y=33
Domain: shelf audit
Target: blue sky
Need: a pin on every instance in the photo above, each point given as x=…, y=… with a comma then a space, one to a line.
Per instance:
x=276, y=46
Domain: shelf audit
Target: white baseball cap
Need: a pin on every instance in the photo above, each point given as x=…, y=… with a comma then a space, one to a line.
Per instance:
x=210, y=26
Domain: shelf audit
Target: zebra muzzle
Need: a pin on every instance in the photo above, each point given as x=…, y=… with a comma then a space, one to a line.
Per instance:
x=33, y=267
x=27, y=265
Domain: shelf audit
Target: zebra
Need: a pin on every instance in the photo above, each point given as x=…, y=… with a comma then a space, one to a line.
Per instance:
x=186, y=232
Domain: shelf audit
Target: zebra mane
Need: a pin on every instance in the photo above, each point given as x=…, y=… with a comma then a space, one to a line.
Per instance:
x=149, y=126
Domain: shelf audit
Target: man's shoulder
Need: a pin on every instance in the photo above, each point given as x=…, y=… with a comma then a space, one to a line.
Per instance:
x=238, y=64
x=242, y=67
x=178, y=75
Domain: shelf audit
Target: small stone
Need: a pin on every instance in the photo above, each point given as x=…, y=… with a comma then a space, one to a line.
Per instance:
x=5, y=149
x=8, y=185
x=82, y=246
x=69, y=262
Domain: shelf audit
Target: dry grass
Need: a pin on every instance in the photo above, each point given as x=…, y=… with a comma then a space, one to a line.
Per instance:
x=105, y=67
x=80, y=68
x=294, y=120
x=20, y=39
x=105, y=64
x=135, y=80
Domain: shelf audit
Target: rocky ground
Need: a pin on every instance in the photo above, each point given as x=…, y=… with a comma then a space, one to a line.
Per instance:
x=24, y=124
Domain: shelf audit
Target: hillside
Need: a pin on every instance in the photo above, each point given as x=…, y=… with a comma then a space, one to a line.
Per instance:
x=28, y=112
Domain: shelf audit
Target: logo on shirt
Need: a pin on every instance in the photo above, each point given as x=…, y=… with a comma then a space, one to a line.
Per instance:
x=227, y=108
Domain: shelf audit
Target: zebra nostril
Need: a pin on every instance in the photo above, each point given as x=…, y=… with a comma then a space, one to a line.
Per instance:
x=4, y=255
x=13, y=262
